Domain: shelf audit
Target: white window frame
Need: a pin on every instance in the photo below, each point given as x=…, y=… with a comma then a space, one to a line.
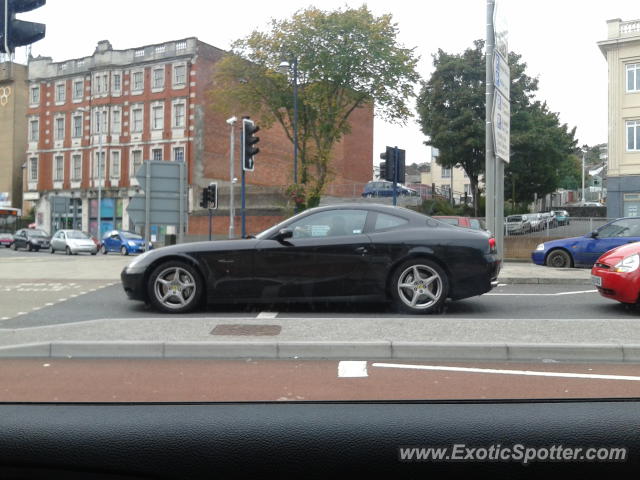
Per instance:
x=74, y=157
x=134, y=90
x=157, y=123
x=57, y=137
x=56, y=177
x=174, y=120
x=445, y=172
x=157, y=87
x=174, y=79
x=115, y=172
x=97, y=157
x=61, y=99
x=104, y=121
x=33, y=161
x=132, y=163
x=36, y=137
x=116, y=120
x=118, y=90
x=74, y=117
x=632, y=69
x=153, y=154
x=175, y=151
x=77, y=81
x=632, y=126
x=34, y=99
x=137, y=108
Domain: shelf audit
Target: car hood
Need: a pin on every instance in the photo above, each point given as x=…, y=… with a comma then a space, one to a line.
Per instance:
x=614, y=256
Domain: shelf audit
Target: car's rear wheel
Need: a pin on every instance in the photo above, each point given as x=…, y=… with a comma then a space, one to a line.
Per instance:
x=559, y=259
x=175, y=287
x=15, y=246
x=67, y=251
x=419, y=286
x=52, y=250
x=124, y=251
x=29, y=247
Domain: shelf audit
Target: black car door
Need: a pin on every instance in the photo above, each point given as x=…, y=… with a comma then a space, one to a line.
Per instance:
x=325, y=257
x=20, y=239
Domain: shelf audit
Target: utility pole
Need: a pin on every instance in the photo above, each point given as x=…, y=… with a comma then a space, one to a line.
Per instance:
x=490, y=161
x=232, y=140
x=583, y=159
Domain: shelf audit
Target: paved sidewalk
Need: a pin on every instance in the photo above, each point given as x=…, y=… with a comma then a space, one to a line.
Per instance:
x=530, y=273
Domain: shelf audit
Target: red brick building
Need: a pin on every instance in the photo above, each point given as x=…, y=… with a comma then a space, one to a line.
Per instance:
x=92, y=121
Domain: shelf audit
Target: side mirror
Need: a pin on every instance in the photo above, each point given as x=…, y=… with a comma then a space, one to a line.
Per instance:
x=594, y=234
x=284, y=233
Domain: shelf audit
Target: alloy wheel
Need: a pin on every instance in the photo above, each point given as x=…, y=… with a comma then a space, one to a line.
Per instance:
x=174, y=288
x=420, y=287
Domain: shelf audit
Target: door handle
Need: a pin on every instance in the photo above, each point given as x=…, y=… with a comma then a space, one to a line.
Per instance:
x=361, y=250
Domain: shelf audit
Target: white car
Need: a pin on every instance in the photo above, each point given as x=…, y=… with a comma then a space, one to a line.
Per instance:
x=72, y=242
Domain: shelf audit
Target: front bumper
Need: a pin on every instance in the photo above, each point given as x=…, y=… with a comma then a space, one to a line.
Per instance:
x=133, y=284
x=623, y=287
x=537, y=256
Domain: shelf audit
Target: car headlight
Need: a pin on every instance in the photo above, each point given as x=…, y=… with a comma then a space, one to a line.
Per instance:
x=136, y=261
x=540, y=247
x=629, y=264
x=131, y=244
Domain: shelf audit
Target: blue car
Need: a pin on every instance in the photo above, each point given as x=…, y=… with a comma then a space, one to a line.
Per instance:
x=584, y=251
x=123, y=242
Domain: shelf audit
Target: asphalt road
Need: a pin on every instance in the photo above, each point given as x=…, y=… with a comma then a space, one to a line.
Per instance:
x=113, y=380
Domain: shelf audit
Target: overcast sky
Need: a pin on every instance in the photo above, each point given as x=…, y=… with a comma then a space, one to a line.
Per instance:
x=557, y=39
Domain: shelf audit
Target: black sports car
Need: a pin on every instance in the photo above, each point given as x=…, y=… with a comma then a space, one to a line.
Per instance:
x=339, y=253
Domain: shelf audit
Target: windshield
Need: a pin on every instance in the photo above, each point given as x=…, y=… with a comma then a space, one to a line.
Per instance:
x=183, y=143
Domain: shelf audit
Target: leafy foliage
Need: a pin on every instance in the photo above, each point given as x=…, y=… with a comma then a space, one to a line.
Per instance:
x=346, y=59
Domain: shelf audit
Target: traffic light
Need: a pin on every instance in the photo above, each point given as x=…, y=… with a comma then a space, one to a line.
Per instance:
x=213, y=196
x=387, y=168
x=384, y=165
x=17, y=33
x=204, y=201
x=249, y=140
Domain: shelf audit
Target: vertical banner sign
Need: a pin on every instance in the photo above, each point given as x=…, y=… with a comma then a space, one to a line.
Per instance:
x=501, y=125
x=502, y=81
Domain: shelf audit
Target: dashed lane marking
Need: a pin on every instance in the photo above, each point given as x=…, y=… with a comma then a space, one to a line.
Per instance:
x=352, y=369
x=267, y=315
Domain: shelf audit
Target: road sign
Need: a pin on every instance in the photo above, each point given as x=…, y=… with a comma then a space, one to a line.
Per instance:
x=501, y=126
x=163, y=186
x=501, y=75
x=500, y=32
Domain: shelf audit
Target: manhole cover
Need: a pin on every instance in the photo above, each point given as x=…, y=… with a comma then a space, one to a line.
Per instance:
x=240, y=329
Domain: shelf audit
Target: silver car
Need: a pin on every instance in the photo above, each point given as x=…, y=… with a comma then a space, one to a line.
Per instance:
x=72, y=242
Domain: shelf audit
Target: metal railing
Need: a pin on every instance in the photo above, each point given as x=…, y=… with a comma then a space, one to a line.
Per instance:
x=571, y=227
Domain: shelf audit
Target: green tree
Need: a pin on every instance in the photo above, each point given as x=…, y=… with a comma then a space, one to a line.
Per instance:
x=347, y=59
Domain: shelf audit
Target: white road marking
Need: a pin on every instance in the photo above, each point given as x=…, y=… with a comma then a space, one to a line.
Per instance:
x=48, y=304
x=62, y=299
x=351, y=369
x=502, y=285
x=21, y=313
x=539, y=294
x=267, y=315
x=4, y=318
x=531, y=373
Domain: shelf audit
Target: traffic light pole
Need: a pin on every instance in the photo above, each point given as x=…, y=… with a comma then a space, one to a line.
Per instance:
x=244, y=213
x=396, y=155
x=210, y=222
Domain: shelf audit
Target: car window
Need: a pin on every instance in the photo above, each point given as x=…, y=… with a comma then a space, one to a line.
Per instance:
x=131, y=236
x=384, y=222
x=620, y=228
x=330, y=224
x=450, y=221
x=77, y=235
x=475, y=224
x=515, y=218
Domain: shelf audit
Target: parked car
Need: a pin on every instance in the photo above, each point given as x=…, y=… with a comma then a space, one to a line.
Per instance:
x=383, y=188
x=537, y=221
x=72, y=242
x=123, y=242
x=339, y=253
x=550, y=219
x=94, y=240
x=616, y=274
x=467, y=222
x=31, y=239
x=584, y=251
x=561, y=216
x=517, y=225
x=6, y=239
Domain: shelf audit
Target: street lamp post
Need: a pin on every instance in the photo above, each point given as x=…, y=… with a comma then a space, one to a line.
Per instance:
x=100, y=163
x=285, y=67
x=232, y=141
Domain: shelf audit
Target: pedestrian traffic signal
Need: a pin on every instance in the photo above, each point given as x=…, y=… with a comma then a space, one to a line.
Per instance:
x=204, y=201
x=390, y=163
x=17, y=33
x=249, y=141
x=212, y=196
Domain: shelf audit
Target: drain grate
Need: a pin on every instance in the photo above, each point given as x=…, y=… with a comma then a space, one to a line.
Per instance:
x=246, y=330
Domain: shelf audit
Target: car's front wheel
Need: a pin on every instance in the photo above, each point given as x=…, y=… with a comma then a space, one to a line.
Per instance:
x=419, y=286
x=175, y=287
x=124, y=251
x=103, y=249
x=559, y=259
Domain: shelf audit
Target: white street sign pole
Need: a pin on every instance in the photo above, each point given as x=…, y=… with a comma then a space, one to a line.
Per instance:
x=490, y=197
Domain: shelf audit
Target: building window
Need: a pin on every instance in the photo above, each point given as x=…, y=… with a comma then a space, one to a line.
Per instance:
x=158, y=117
x=33, y=169
x=117, y=82
x=34, y=130
x=100, y=126
x=78, y=87
x=35, y=95
x=633, y=77
x=156, y=154
x=60, y=93
x=445, y=173
x=158, y=78
x=99, y=166
x=136, y=161
x=179, y=75
x=60, y=128
x=178, y=115
x=137, y=120
x=58, y=168
x=115, y=121
x=138, y=81
x=115, y=164
x=178, y=154
x=77, y=126
x=76, y=167
x=633, y=136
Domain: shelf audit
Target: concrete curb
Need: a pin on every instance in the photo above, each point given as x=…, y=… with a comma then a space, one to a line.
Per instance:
x=544, y=281
x=608, y=352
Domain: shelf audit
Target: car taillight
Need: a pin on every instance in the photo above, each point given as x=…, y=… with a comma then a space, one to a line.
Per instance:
x=492, y=244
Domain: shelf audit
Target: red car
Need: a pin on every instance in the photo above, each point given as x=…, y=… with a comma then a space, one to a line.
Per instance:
x=616, y=273
x=467, y=222
x=6, y=239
